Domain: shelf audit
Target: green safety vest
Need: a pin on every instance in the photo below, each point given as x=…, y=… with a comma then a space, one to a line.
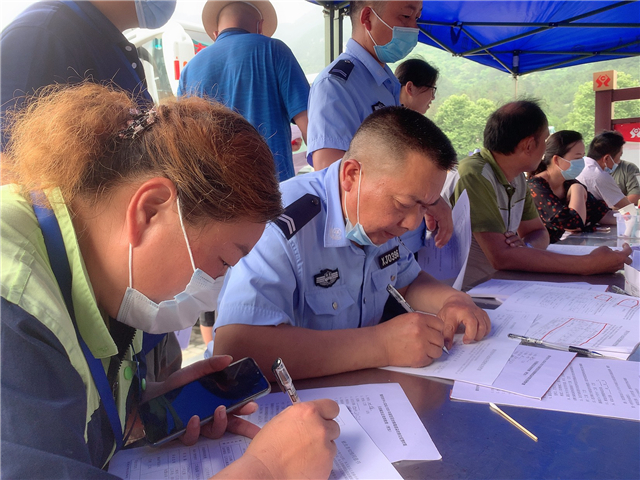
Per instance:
x=26, y=280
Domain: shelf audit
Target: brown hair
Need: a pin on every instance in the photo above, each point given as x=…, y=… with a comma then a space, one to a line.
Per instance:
x=70, y=137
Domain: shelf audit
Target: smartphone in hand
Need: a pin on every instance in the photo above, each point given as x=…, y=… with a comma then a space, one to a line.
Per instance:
x=165, y=417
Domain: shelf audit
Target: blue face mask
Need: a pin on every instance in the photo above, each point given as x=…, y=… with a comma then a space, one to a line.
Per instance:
x=575, y=167
x=154, y=13
x=612, y=169
x=403, y=41
x=356, y=232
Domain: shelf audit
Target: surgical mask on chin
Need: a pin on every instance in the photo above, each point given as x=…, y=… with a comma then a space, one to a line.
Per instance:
x=575, y=167
x=200, y=295
x=154, y=13
x=403, y=41
x=612, y=169
x=356, y=232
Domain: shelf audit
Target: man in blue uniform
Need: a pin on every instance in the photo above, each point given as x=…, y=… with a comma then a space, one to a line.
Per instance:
x=250, y=72
x=359, y=82
x=313, y=289
x=67, y=42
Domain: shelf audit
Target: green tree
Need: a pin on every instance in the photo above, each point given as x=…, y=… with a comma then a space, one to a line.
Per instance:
x=463, y=121
x=582, y=116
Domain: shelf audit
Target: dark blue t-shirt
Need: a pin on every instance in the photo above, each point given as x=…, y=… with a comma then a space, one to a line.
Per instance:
x=258, y=77
x=65, y=42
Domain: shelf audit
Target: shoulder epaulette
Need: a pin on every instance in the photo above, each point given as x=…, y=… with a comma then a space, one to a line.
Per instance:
x=298, y=214
x=342, y=69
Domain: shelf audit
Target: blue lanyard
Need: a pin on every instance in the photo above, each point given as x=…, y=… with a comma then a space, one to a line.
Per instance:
x=60, y=266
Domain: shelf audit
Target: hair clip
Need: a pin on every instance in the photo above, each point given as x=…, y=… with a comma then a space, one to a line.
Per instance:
x=142, y=119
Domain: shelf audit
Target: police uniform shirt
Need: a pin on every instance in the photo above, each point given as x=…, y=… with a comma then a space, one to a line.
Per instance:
x=304, y=272
x=344, y=94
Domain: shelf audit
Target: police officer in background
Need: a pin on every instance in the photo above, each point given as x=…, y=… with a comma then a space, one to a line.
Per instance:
x=359, y=82
x=313, y=289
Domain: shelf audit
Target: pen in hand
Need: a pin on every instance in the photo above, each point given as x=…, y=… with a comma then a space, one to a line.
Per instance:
x=284, y=380
x=400, y=299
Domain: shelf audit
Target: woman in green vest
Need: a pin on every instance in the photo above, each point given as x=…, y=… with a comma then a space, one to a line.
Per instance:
x=152, y=206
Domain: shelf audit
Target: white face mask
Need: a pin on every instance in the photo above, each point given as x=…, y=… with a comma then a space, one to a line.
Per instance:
x=200, y=295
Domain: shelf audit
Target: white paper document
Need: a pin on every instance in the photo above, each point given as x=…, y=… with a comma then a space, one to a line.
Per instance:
x=575, y=249
x=576, y=302
x=602, y=321
x=449, y=263
x=503, y=289
x=531, y=371
x=357, y=457
x=479, y=362
x=605, y=388
x=383, y=410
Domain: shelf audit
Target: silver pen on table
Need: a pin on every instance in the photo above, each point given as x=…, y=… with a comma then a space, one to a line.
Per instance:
x=618, y=290
x=555, y=346
x=284, y=380
x=400, y=299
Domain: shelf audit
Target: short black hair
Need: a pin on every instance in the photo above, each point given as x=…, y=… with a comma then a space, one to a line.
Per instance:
x=512, y=123
x=400, y=130
x=606, y=143
x=418, y=72
x=356, y=6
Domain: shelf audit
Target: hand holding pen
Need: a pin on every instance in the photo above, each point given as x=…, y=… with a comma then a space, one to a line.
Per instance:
x=400, y=299
x=284, y=380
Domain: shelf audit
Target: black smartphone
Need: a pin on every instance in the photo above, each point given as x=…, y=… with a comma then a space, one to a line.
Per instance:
x=165, y=417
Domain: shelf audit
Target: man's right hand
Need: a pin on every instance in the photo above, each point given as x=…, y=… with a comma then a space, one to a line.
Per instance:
x=605, y=260
x=411, y=339
x=299, y=441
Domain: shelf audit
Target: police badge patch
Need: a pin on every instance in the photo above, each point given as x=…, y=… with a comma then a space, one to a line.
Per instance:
x=327, y=277
x=377, y=106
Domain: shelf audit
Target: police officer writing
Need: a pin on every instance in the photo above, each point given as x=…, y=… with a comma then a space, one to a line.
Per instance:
x=147, y=208
x=314, y=288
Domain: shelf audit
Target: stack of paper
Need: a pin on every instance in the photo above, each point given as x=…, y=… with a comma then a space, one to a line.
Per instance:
x=378, y=426
x=596, y=320
x=503, y=289
x=606, y=388
x=601, y=321
x=383, y=410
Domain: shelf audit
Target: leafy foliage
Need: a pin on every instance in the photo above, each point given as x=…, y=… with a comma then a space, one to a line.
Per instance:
x=582, y=116
x=463, y=121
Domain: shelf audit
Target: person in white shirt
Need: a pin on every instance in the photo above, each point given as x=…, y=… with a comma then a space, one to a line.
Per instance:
x=604, y=152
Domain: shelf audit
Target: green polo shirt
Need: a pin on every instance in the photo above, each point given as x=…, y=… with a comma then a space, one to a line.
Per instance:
x=626, y=178
x=496, y=205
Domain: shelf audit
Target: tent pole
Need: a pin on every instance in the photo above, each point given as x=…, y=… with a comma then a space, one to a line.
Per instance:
x=515, y=89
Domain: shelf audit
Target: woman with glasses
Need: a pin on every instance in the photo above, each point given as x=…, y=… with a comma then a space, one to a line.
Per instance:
x=418, y=80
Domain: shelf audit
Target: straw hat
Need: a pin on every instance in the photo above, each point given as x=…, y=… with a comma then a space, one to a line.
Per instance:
x=211, y=12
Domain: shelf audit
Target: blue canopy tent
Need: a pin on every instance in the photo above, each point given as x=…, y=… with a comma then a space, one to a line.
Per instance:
x=519, y=37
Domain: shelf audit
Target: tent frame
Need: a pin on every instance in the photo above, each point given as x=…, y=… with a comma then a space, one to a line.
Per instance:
x=334, y=12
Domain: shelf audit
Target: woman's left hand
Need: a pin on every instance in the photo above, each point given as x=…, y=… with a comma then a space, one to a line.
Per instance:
x=221, y=421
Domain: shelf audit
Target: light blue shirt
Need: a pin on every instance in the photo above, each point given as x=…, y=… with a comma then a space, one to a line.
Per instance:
x=280, y=281
x=258, y=77
x=337, y=106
